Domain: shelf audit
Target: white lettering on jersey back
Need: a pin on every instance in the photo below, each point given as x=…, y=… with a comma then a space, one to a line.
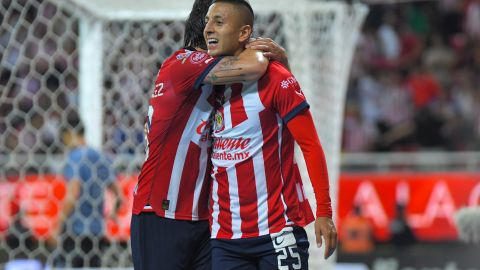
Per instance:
x=201, y=111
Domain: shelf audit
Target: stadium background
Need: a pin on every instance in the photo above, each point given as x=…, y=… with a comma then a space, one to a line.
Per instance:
x=411, y=124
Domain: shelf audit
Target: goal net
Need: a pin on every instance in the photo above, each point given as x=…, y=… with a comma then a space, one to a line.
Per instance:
x=98, y=59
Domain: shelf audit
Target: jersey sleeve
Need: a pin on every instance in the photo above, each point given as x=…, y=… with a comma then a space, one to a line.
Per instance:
x=187, y=70
x=289, y=99
x=303, y=131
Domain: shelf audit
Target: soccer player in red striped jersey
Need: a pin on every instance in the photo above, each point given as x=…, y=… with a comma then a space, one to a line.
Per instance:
x=258, y=207
x=169, y=227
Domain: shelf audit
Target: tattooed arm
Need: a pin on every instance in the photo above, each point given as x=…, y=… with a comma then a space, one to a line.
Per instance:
x=250, y=65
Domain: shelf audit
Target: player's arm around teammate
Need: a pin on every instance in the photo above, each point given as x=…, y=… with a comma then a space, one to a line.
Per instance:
x=250, y=65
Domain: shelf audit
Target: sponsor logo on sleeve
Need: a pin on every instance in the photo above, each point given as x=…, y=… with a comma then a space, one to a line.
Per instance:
x=291, y=82
x=288, y=82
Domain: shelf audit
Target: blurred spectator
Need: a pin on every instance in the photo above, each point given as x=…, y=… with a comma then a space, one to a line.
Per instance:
x=388, y=36
x=424, y=88
x=417, y=18
x=88, y=173
x=451, y=20
x=356, y=233
x=412, y=85
x=410, y=47
x=401, y=233
x=467, y=221
x=439, y=58
x=396, y=127
x=356, y=136
x=472, y=19
x=370, y=94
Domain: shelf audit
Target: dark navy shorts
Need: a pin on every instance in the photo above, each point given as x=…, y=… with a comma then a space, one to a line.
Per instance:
x=162, y=243
x=285, y=250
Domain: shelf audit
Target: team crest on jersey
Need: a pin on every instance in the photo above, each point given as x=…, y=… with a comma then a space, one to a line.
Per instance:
x=198, y=57
x=218, y=122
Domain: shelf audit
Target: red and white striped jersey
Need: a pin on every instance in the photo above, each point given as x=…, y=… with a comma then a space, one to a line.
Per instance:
x=172, y=182
x=257, y=189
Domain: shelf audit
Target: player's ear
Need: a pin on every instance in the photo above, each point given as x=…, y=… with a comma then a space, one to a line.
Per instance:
x=245, y=33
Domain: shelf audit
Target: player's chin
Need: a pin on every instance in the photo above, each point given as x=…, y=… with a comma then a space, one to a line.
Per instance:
x=214, y=50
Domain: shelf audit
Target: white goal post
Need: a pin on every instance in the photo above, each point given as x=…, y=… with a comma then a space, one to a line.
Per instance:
x=99, y=58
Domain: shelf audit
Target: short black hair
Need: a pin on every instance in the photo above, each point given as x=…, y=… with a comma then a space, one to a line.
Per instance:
x=243, y=3
x=195, y=24
x=73, y=124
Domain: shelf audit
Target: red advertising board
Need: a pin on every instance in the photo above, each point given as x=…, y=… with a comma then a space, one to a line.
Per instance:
x=431, y=200
x=37, y=201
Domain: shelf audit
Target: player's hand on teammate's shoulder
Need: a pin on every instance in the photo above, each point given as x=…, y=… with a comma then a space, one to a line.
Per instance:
x=270, y=49
x=324, y=227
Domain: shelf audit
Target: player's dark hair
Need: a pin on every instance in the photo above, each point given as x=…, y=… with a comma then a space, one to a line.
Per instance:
x=73, y=124
x=195, y=24
x=243, y=3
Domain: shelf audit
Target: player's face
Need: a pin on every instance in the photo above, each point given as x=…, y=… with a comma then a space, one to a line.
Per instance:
x=223, y=30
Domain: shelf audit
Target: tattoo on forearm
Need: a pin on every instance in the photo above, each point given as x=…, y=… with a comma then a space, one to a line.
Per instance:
x=224, y=70
x=229, y=61
x=214, y=77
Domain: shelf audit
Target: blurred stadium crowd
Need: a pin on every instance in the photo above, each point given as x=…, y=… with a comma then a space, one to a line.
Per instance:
x=38, y=78
x=39, y=83
x=415, y=79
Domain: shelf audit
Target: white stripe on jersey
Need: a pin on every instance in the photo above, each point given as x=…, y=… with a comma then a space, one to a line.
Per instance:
x=253, y=99
x=234, y=203
x=200, y=181
x=201, y=107
x=299, y=192
x=280, y=133
x=215, y=208
x=262, y=196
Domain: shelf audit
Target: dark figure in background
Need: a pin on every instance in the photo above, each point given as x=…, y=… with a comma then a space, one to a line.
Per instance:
x=402, y=234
